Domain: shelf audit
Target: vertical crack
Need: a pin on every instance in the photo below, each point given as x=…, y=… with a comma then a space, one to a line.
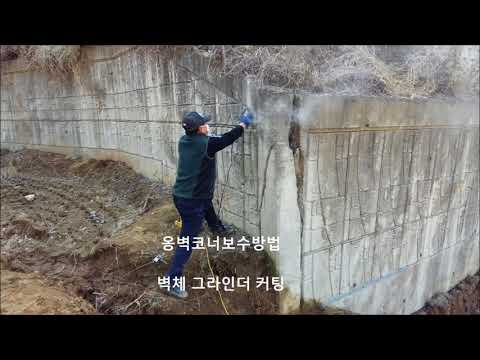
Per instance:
x=346, y=228
x=460, y=140
x=322, y=213
x=407, y=203
x=267, y=161
x=375, y=239
x=294, y=144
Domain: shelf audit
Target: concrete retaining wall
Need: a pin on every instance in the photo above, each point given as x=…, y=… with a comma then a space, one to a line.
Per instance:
x=375, y=201
x=125, y=104
x=391, y=199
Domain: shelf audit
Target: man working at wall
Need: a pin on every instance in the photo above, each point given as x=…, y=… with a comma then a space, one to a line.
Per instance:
x=195, y=184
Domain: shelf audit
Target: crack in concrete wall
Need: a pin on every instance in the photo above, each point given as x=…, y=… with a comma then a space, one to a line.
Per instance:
x=384, y=215
x=265, y=174
x=294, y=143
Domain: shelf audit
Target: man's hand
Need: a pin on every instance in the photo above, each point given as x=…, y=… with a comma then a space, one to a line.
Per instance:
x=246, y=119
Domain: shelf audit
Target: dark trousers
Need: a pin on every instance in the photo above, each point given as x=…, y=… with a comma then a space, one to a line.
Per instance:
x=192, y=212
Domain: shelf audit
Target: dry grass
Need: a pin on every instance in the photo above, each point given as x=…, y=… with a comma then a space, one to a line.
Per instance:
x=282, y=66
x=56, y=59
x=9, y=52
x=421, y=71
x=51, y=58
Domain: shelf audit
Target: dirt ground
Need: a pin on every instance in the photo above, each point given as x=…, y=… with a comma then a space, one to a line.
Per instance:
x=30, y=294
x=59, y=258
x=463, y=299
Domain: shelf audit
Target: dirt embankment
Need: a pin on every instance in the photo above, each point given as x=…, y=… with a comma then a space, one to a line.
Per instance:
x=31, y=294
x=89, y=235
x=462, y=299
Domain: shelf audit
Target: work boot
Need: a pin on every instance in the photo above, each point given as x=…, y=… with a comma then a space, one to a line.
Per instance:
x=222, y=231
x=178, y=293
x=174, y=290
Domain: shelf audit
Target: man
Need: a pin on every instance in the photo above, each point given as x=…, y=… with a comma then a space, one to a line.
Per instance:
x=195, y=184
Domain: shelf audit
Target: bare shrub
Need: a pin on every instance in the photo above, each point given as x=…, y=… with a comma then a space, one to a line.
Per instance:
x=283, y=66
x=424, y=71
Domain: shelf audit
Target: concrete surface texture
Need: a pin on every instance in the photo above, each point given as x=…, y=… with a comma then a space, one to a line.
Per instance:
x=375, y=200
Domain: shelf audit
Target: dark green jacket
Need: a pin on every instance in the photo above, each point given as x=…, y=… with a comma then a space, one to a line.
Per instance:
x=196, y=167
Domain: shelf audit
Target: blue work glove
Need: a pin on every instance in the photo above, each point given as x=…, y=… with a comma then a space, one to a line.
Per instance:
x=246, y=118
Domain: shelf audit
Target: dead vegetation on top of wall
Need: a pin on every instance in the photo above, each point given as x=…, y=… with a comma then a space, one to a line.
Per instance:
x=8, y=52
x=414, y=71
x=51, y=58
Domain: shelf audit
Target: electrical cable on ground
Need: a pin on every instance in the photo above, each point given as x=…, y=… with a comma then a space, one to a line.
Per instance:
x=219, y=212
x=219, y=293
